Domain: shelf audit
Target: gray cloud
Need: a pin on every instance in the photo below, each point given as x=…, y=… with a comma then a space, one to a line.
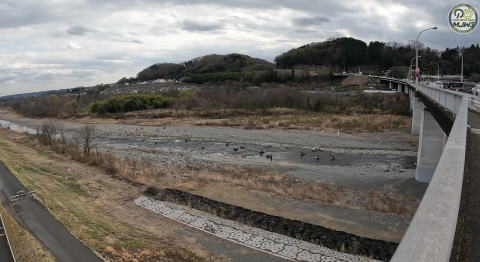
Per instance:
x=310, y=21
x=7, y=77
x=193, y=26
x=14, y=14
x=79, y=30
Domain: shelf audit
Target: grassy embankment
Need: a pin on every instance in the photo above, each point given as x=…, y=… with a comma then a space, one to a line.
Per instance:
x=85, y=199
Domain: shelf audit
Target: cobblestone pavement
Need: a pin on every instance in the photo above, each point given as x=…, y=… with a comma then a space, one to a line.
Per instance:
x=272, y=243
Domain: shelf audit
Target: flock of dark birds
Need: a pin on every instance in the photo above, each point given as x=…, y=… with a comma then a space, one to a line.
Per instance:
x=270, y=156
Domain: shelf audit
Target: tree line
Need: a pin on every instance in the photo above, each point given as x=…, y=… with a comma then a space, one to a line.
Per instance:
x=215, y=98
x=349, y=54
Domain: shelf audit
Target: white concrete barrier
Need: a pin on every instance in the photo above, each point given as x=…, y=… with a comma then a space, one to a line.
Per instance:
x=431, y=233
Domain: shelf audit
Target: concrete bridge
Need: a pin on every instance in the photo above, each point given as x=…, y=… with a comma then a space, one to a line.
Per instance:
x=446, y=225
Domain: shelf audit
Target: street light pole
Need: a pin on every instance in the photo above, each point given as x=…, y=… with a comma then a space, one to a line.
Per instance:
x=416, y=49
x=438, y=70
x=461, y=74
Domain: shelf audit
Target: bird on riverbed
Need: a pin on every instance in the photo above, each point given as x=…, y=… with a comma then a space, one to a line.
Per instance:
x=227, y=144
x=332, y=157
x=235, y=149
x=269, y=156
x=261, y=152
x=302, y=154
x=317, y=158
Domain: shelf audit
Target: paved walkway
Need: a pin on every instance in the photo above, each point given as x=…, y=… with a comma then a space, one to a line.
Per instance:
x=272, y=243
x=53, y=234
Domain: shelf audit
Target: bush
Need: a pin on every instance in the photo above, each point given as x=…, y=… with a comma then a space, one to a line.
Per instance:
x=127, y=103
x=70, y=108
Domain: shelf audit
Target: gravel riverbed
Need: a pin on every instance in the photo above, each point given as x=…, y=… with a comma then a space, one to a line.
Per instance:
x=360, y=160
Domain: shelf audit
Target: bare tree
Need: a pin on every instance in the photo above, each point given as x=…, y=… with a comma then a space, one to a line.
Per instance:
x=86, y=138
x=49, y=132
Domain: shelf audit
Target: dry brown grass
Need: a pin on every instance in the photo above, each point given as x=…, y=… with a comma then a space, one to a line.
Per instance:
x=279, y=118
x=357, y=123
x=148, y=173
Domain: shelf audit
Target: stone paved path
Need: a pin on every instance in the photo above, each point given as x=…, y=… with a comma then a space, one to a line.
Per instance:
x=272, y=243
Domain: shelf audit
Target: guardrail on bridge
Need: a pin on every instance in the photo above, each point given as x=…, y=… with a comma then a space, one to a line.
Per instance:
x=431, y=233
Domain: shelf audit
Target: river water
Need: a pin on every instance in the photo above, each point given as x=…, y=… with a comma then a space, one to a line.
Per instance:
x=17, y=128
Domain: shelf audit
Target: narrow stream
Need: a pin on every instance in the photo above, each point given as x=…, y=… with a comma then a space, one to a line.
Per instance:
x=17, y=128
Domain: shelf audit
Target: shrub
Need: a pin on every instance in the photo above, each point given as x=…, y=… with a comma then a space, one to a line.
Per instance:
x=127, y=103
x=70, y=108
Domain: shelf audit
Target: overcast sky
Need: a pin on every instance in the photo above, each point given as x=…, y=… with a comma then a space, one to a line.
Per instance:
x=54, y=44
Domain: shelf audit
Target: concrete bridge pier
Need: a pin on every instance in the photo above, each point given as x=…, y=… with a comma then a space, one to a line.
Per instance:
x=417, y=108
x=399, y=87
x=410, y=100
x=390, y=85
x=432, y=140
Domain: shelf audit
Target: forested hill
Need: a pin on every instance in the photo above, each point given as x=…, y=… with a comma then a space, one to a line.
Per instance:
x=210, y=64
x=349, y=53
x=333, y=55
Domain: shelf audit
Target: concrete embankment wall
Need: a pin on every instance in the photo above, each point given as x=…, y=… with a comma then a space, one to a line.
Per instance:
x=336, y=240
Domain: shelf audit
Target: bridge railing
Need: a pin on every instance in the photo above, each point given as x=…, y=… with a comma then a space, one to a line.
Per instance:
x=449, y=99
x=431, y=233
